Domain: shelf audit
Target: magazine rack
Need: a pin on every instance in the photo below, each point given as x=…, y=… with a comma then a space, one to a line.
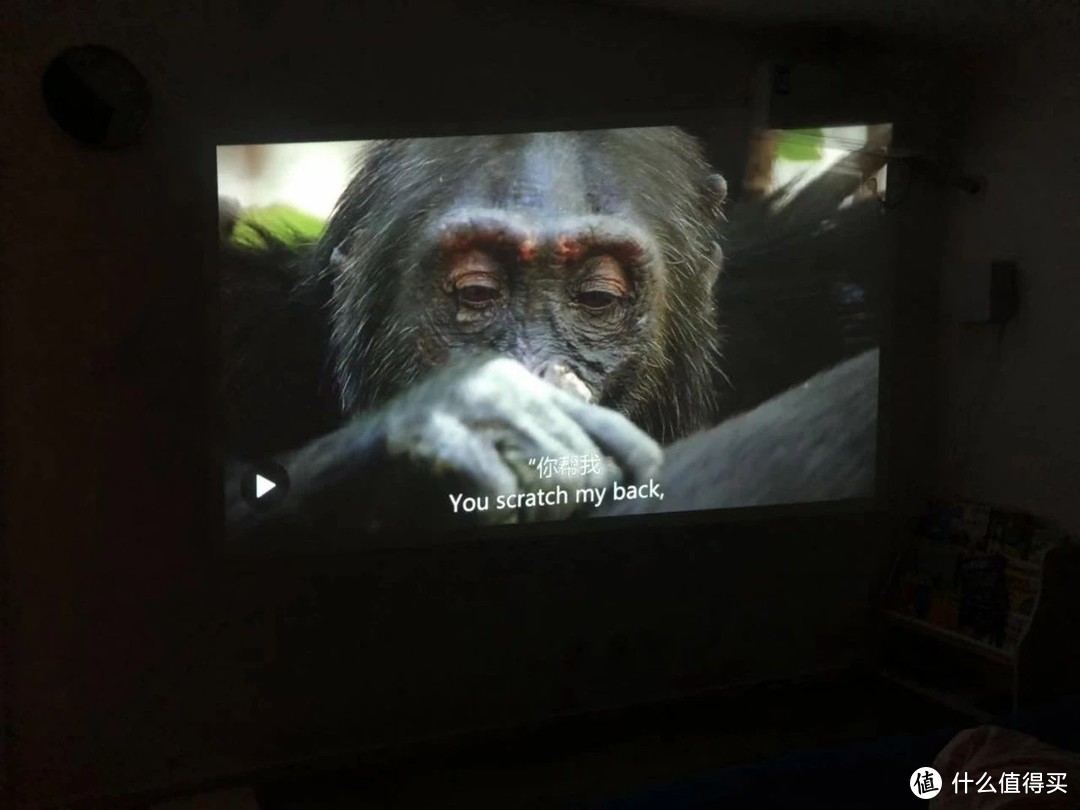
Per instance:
x=981, y=612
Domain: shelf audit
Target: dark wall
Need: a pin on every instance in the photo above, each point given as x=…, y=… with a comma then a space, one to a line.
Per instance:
x=138, y=659
x=1010, y=397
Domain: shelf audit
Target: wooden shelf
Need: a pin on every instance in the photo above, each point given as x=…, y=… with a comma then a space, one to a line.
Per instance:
x=998, y=655
x=978, y=678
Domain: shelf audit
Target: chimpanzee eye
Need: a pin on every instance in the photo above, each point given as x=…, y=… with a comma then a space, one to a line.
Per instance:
x=596, y=299
x=477, y=289
x=477, y=295
x=602, y=284
x=474, y=280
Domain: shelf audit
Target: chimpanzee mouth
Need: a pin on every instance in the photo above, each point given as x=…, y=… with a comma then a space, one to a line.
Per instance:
x=559, y=374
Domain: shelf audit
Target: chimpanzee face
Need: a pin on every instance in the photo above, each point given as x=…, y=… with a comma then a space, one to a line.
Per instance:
x=541, y=256
x=585, y=256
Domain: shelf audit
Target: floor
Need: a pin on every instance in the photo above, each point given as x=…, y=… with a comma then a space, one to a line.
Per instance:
x=579, y=761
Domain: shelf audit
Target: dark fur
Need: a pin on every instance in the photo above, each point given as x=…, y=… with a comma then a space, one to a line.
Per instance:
x=278, y=393
x=815, y=442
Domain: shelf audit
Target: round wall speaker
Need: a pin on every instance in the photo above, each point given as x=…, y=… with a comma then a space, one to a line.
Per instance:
x=96, y=95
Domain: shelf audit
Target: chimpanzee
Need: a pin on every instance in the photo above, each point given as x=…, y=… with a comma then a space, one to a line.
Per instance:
x=477, y=303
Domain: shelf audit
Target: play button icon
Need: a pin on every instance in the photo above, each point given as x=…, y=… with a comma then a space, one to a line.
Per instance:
x=264, y=485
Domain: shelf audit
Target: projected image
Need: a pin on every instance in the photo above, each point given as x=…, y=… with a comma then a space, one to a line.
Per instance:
x=451, y=333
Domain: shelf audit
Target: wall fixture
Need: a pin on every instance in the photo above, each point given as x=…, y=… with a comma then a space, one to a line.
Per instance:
x=96, y=95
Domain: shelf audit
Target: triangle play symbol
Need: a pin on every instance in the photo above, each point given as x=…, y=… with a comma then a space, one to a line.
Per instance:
x=263, y=485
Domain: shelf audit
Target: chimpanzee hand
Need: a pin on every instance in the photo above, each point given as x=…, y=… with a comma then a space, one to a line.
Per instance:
x=477, y=430
x=487, y=429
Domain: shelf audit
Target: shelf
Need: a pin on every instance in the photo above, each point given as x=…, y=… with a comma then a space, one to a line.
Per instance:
x=989, y=651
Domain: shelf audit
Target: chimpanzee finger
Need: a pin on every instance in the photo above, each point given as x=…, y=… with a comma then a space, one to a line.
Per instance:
x=447, y=447
x=512, y=404
x=630, y=447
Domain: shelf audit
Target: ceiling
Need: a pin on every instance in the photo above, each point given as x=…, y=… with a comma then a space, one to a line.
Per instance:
x=947, y=19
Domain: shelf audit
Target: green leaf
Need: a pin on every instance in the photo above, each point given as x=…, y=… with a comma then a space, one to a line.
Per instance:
x=801, y=145
x=283, y=222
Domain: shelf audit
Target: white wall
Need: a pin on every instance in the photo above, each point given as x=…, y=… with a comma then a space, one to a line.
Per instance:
x=1010, y=411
